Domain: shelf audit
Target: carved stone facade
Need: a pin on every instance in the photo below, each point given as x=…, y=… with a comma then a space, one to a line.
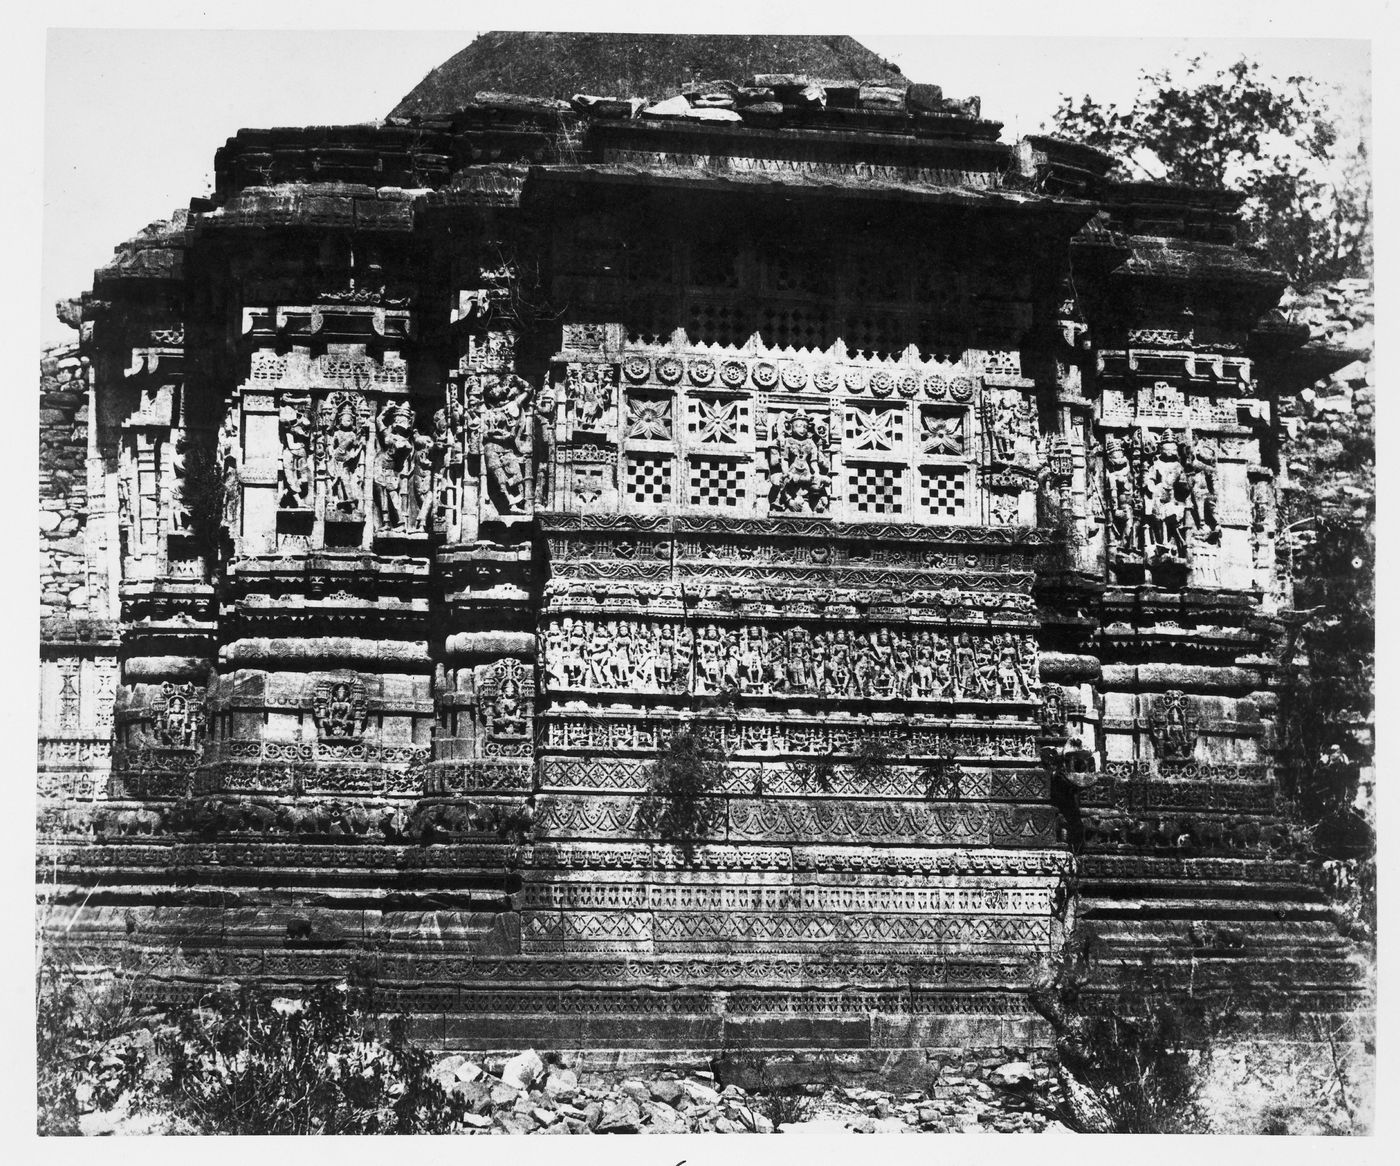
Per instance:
x=440, y=473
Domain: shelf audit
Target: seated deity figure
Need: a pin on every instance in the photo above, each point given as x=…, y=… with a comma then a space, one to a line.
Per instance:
x=340, y=713
x=799, y=471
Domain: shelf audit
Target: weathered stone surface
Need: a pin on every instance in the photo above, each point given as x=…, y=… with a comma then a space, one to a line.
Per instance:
x=619, y=1117
x=900, y=471
x=561, y=1084
x=524, y=1071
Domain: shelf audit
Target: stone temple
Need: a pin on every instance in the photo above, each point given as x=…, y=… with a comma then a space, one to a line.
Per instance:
x=402, y=502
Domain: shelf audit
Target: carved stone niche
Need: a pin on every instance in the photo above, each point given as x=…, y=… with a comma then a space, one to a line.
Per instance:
x=1172, y=727
x=345, y=439
x=589, y=392
x=505, y=708
x=340, y=707
x=799, y=465
x=179, y=716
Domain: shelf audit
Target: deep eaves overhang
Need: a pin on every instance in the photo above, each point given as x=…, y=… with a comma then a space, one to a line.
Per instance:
x=546, y=180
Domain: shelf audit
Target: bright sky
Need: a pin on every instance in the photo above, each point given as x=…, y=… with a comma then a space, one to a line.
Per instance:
x=132, y=117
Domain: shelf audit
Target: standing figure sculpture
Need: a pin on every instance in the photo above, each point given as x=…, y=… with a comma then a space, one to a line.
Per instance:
x=1201, y=504
x=391, y=464
x=1165, y=493
x=543, y=443
x=799, y=470
x=294, y=427
x=505, y=439
x=421, y=501
x=229, y=450
x=346, y=449
x=1120, y=501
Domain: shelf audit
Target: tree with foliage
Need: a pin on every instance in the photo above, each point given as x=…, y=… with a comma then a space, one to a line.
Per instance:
x=684, y=801
x=1277, y=142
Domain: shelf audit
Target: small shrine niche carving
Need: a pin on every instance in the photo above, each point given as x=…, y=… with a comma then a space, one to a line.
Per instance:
x=179, y=716
x=340, y=708
x=1173, y=727
x=505, y=698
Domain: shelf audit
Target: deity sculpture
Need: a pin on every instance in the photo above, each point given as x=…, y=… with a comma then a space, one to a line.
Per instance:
x=340, y=713
x=346, y=449
x=1201, y=503
x=589, y=388
x=504, y=428
x=395, y=426
x=294, y=427
x=1165, y=490
x=179, y=505
x=421, y=498
x=228, y=452
x=799, y=470
x=1120, y=502
x=339, y=708
x=179, y=715
x=543, y=443
x=448, y=430
x=1011, y=677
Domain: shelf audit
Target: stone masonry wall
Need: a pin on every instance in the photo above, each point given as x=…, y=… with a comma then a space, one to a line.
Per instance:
x=63, y=500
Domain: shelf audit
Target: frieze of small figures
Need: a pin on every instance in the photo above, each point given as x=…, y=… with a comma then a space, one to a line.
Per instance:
x=948, y=593
x=910, y=738
x=1230, y=771
x=453, y=777
x=140, y=757
x=1194, y=834
x=827, y=929
x=1255, y=797
x=1157, y=866
x=696, y=551
x=269, y=777
x=70, y=784
x=711, y=899
x=838, y=663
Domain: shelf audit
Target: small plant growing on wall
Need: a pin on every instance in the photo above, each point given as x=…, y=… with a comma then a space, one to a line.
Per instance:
x=684, y=804
x=870, y=762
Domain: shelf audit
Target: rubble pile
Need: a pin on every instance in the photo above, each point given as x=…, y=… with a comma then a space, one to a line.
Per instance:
x=527, y=1095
